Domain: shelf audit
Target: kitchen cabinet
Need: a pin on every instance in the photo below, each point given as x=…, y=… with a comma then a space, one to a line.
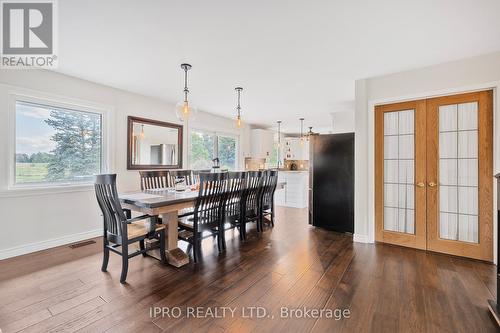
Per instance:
x=295, y=192
x=295, y=150
x=262, y=142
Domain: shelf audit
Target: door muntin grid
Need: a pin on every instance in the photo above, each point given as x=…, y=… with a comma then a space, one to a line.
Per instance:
x=458, y=172
x=399, y=170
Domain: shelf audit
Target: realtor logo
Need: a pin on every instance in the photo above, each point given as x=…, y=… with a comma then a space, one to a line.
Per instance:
x=28, y=34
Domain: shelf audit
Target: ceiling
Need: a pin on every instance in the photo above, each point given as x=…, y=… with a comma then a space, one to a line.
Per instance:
x=293, y=58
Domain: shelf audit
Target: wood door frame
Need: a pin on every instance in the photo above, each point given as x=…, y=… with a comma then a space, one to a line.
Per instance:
x=417, y=240
x=483, y=250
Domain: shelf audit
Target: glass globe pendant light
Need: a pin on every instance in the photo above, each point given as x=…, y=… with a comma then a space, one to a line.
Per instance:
x=184, y=110
x=238, y=108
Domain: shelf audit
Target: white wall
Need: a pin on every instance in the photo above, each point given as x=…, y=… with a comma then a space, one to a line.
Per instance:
x=478, y=73
x=40, y=219
x=343, y=121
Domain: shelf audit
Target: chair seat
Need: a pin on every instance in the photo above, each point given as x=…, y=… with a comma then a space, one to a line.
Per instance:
x=138, y=229
x=186, y=222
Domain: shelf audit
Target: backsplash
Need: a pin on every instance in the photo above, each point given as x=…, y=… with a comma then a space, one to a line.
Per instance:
x=299, y=165
x=255, y=164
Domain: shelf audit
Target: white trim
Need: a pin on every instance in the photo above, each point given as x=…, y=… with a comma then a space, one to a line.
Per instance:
x=27, y=95
x=19, y=192
x=495, y=85
x=47, y=244
x=361, y=238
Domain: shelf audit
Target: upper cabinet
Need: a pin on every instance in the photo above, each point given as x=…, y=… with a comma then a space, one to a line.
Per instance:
x=262, y=142
x=295, y=150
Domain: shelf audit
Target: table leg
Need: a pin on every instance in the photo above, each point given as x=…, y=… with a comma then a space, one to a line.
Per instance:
x=176, y=257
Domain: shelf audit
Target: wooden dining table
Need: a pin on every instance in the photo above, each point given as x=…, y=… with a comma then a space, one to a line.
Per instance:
x=165, y=203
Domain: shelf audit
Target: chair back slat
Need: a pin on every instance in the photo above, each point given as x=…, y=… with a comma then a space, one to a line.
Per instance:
x=209, y=203
x=235, y=188
x=186, y=174
x=107, y=197
x=269, y=187
x=253, y=191
x=155, y=179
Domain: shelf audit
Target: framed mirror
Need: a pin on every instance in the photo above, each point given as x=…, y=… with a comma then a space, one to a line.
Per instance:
x=153, y=144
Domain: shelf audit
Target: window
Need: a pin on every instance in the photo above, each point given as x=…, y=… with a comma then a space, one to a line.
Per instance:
x=201, y=150
x=227, y=152
x=56, y=145
x=205, y=146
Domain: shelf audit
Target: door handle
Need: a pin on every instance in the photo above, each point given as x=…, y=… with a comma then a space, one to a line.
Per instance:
x=420, y=184
x=432, y=184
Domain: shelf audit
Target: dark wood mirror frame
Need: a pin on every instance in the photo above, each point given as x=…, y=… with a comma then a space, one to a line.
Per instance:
x=130, y=122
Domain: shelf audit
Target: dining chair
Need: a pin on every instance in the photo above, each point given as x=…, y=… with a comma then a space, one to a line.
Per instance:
x=270, y=182
x=207, y=213
x=155, y=179
x=120, y=231
x=232, y=215
x=186, y=174
x=196, y=174
x=251, y=197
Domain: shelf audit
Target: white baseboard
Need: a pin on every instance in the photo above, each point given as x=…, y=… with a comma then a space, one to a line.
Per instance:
x=361, y=238
x=47, y=244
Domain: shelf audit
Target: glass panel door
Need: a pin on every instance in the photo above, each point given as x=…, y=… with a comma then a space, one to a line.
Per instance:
x=460, y=175
x=400, y=174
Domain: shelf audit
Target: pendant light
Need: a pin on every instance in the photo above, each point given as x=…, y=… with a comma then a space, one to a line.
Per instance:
x=142, y=132
x=279, y=143
x=238, y=107
x=301, y=131
x=309, y=133
x=279, y=133
x=184, y=110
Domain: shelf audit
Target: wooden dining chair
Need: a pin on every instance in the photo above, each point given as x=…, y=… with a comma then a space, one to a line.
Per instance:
x=186, y=174
x=270, y=181
x=251, y=197
x=120, y=231
x=196, y=174
x=232, y=215
x=155, y=179
x=207, y=214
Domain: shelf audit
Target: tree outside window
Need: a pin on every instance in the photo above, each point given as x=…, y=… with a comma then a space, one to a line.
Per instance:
x=56, y=145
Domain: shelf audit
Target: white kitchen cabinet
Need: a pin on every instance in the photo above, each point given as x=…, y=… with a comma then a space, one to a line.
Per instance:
x=262, y=142
x=295, y=193
x=295, y=150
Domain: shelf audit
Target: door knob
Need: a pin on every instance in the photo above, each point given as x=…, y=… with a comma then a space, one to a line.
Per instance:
x=432, y=184
x=420, y=184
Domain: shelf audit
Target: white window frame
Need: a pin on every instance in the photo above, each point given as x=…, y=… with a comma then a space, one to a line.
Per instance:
x=20, y=95
x=215, y=135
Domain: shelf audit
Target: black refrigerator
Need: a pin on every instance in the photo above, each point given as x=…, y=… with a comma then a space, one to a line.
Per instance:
x=331, y=181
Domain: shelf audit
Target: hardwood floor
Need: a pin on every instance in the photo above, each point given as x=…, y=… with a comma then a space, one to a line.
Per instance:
x=385, y=288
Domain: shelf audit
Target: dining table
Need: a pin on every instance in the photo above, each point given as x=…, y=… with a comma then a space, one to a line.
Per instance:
x=164, y=203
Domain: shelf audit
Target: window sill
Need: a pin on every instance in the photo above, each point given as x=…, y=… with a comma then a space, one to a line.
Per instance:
x=30, y=190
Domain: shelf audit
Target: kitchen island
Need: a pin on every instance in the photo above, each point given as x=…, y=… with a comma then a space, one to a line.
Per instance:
x=295, y=192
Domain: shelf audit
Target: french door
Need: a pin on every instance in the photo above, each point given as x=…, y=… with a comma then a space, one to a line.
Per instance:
x=434, y=174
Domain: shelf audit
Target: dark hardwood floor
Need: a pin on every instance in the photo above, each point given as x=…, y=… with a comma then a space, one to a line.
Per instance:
x=293, y=265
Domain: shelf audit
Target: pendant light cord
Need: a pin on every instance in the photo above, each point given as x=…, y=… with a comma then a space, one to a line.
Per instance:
x=186, y=90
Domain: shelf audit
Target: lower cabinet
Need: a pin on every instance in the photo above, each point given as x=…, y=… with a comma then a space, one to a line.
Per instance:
x=295, y=192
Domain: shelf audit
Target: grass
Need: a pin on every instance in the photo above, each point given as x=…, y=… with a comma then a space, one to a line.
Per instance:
x=31, y=172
